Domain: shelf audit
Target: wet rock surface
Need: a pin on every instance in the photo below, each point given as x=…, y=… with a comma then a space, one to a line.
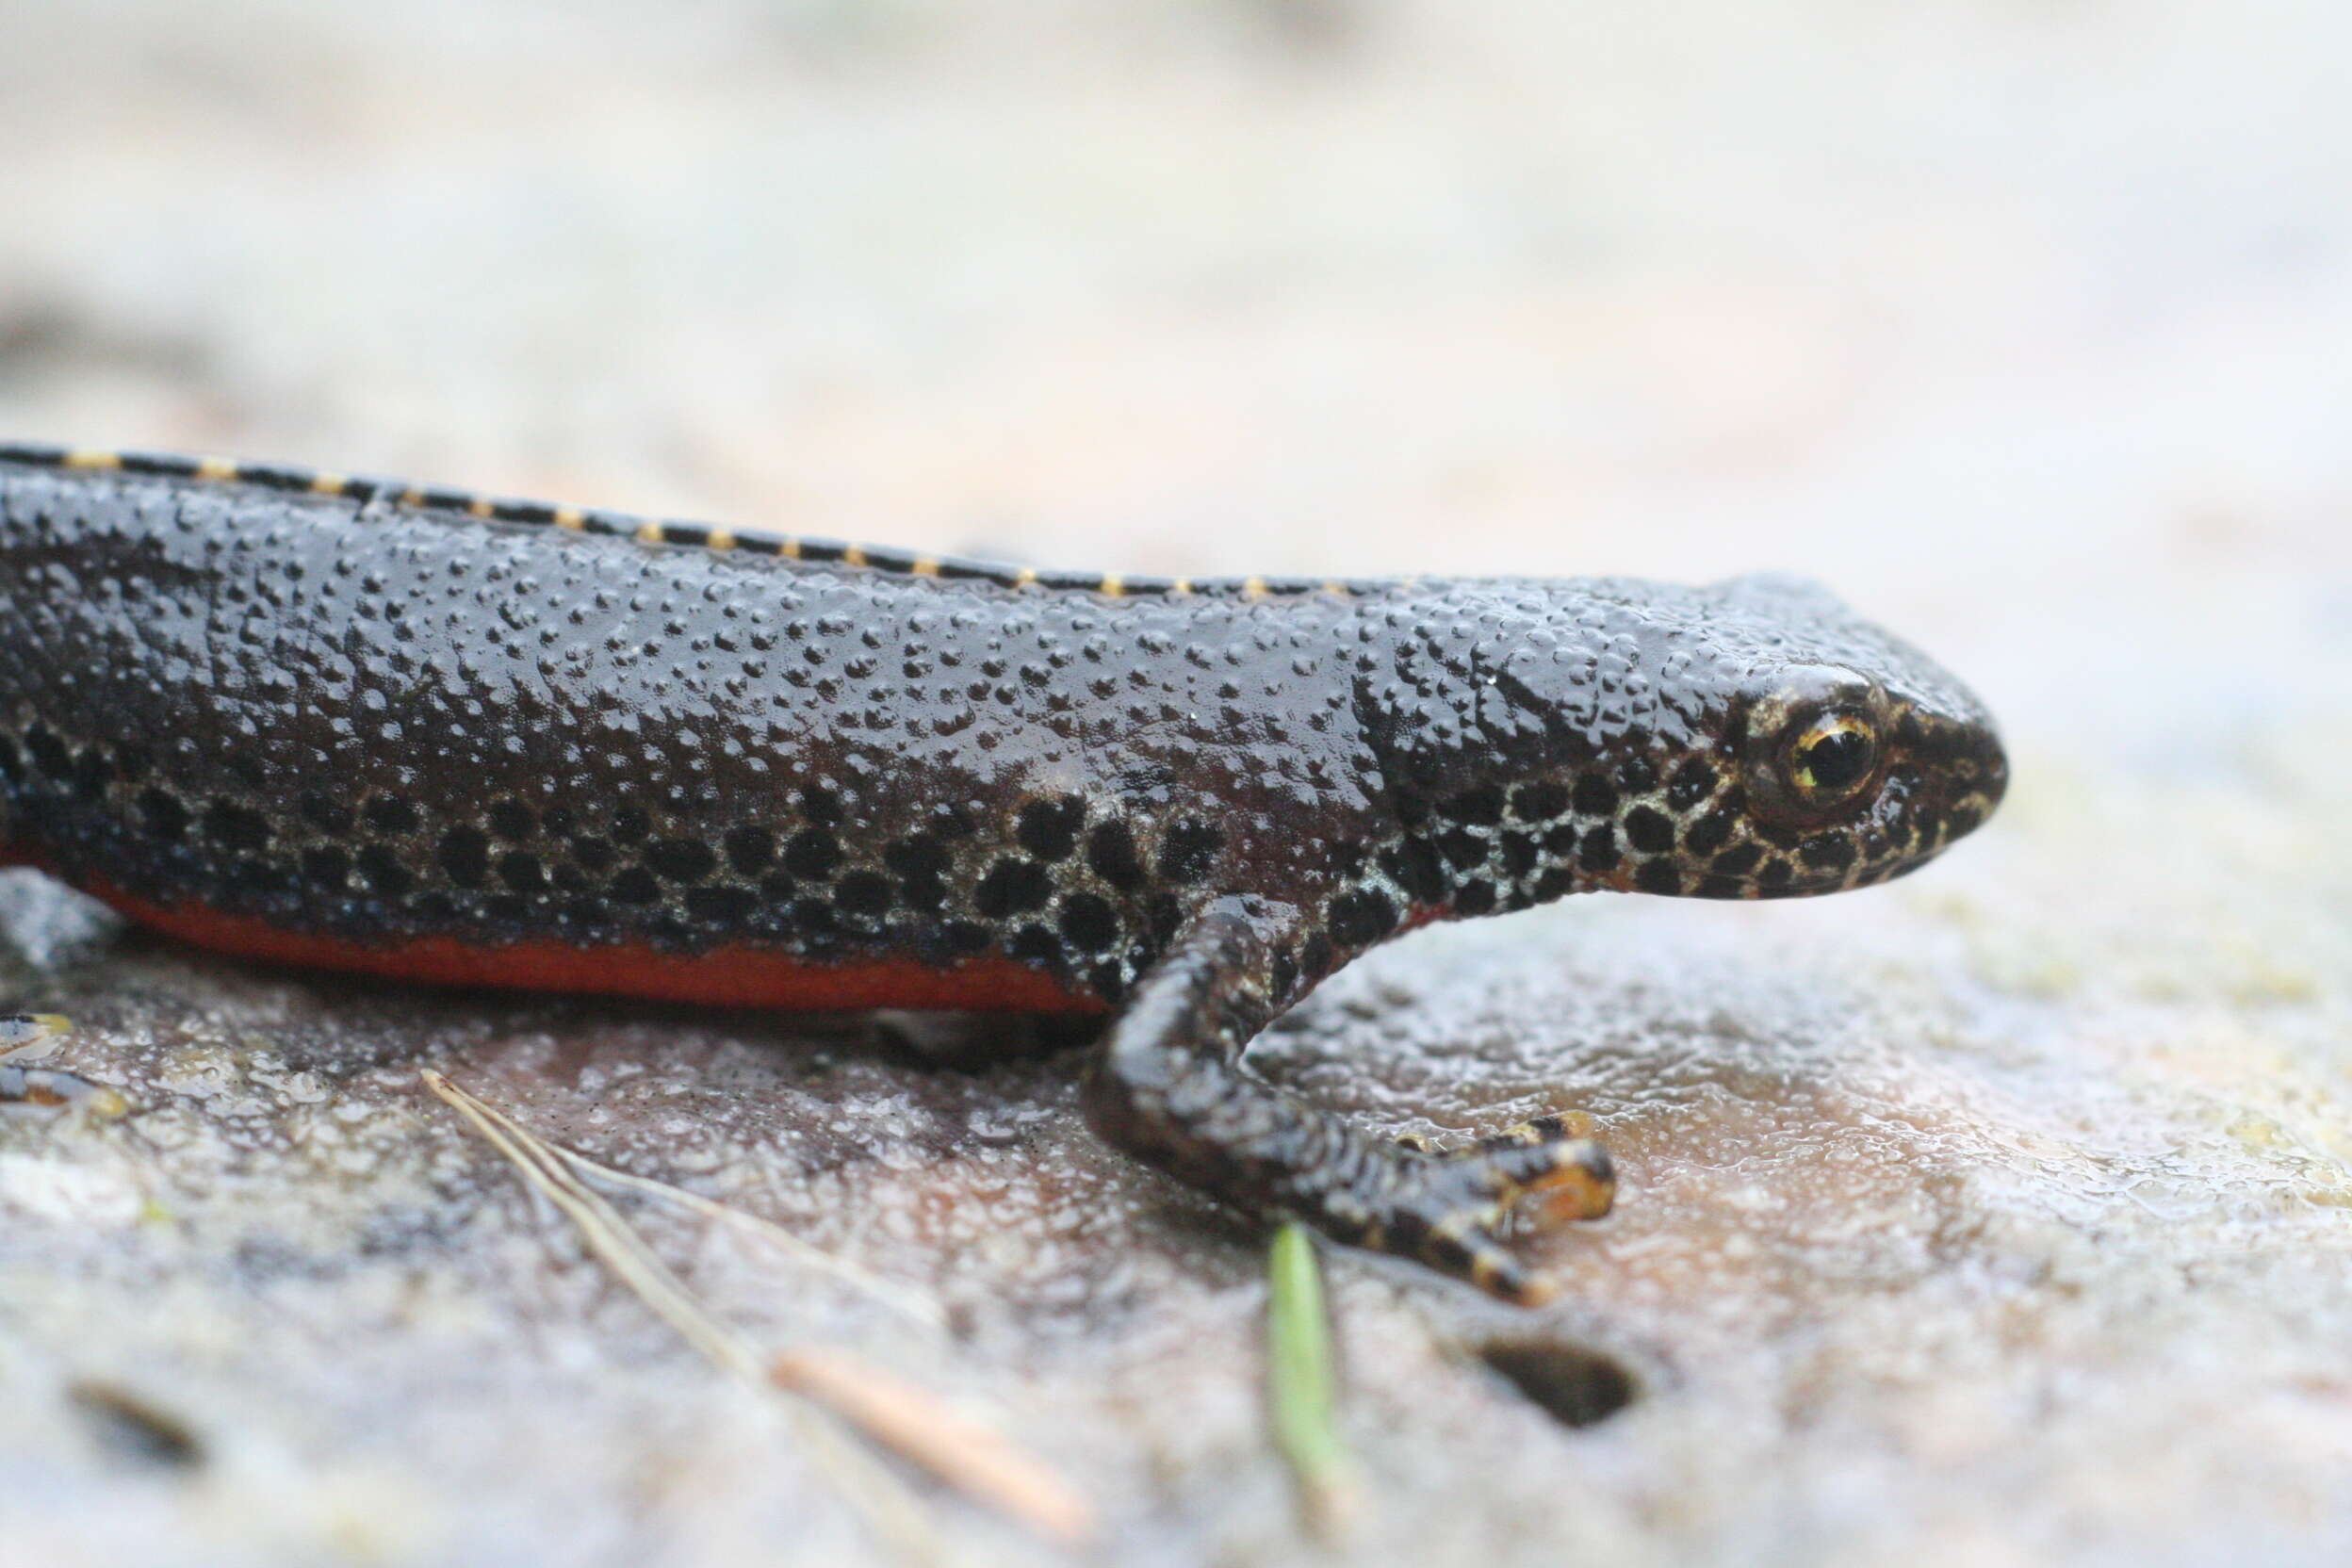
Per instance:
x=1997, y=1215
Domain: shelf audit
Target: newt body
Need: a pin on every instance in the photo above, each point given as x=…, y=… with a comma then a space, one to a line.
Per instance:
x=355, y=724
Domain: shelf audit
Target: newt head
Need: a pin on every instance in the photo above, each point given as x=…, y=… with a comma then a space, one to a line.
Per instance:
x=1749, y=739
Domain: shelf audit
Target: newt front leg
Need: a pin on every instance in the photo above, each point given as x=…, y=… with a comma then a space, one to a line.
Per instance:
x=1171, y=1087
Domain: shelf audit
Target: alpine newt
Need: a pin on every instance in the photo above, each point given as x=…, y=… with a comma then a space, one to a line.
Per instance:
x=421, y=734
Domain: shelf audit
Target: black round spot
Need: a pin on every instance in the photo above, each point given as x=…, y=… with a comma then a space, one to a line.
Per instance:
x=1518, y=853
x=1164, y=917
x=236, y=827
x=821, y=805
x=1089, y=922
x=681, y=860
x=1360, y=917
x=631, y=824
x=47, y=752
x=1462, y=848
x=863, y=892
x=330, y=817
x=1596, y=795
x=633, y=885
x=382, y=870
x=1710, y=833
x=919, y=855
x=1540, y=802
x=1481, y=807
x=1597, y=851
x=1649, y=830
x=750, y=848
x=1636, y=775
x=1049, y=829
x=1827, y=852
x=1736, y=862
x=724, y=904
x=1036, y=944
x=1555, y=882
x=1476, y=898
x=11, y=760
x=391, y=815
x=465, y=857
x=1111, y=851
x=1658, y=877
x=965, y=936
x=521, y=870
x=1315, y=959
x=1692, y=783
x=327, y=866
x=585, y=914
x=512, y=820
x=593, y=854
x=1189, y=849
x=1012, y=887
x=1418, y=869
x=92, y=772
x=165, y=815
x=813, y=855
x=1776, y=872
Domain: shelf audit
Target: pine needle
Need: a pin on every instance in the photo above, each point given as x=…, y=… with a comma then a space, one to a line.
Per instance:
x=896, y=1416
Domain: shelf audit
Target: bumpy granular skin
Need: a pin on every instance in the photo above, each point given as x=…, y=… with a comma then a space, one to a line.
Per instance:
x=358, y=723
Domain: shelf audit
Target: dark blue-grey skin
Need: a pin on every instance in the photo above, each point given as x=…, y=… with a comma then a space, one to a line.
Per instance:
x=361, y=716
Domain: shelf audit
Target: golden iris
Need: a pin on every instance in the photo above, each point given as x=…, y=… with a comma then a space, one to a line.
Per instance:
x=1831, y=758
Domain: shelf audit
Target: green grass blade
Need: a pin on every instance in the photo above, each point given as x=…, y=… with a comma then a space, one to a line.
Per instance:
x=1302, y=1384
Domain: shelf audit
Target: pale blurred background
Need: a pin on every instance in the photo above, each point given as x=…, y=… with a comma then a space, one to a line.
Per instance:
x=2026, y=324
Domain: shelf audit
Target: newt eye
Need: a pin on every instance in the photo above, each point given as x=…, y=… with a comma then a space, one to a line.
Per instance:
x=1829, y=758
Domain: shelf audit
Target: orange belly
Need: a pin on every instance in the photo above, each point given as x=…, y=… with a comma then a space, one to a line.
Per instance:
x=736, y=976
